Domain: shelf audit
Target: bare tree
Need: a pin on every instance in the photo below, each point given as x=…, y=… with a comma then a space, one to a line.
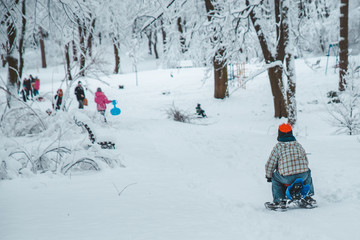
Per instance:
x=22, y=37
x=290, y=62
x=345, y=113
x=116, y=45
x=42, y=47
x=343, y=44
x=67, y=61
x=219, y=62
x=163, y=34
x=82, y=33
x=275, y=73
x=180, y=26
x=9, y=21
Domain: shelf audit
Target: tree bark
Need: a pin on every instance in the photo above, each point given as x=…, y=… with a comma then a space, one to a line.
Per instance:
x=116, y=53
x=149, y=35
x=275, y=77
x=220, y=76
x=91, y=37
x=182, y=39
x=155, y=45
x=280, y=31
x=10, y=58
x=344, y=43
x=82, y=34
x=75, y=58
x=163, y=35
x=67, y=59
x=290, y=63
x=11, y=32
x=220, y=67
x=42, y=48
x=21, y=38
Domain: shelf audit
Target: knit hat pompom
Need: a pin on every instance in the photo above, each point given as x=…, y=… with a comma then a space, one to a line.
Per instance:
x=285, y=133
x=285, y=128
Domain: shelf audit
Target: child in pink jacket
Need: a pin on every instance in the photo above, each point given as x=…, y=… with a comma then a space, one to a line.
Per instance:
x=101, y=101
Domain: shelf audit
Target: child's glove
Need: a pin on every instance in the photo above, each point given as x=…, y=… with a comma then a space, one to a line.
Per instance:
x=268, y=179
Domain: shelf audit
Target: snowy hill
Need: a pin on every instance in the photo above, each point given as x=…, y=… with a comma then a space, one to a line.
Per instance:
x=198, y=180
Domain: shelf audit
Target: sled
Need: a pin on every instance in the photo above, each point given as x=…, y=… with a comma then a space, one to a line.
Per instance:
x=115, y=111
x=295, y=194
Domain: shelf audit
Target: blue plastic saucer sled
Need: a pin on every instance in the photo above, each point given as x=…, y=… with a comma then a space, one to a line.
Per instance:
x=115, y=111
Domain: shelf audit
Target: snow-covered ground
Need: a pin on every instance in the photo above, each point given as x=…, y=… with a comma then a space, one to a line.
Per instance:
x=199, y=181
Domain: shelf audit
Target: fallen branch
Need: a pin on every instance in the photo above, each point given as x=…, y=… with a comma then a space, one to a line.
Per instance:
x=119, y=192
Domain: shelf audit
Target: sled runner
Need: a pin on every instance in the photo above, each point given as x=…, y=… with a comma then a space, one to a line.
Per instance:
x=297, y=196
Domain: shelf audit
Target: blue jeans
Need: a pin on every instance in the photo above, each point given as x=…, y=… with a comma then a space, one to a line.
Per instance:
x=278, y=181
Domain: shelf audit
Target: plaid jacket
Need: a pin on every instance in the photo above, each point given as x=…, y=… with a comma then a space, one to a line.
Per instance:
x=288, y=158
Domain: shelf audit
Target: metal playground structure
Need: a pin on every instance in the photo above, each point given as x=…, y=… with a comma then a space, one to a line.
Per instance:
x=236, y=75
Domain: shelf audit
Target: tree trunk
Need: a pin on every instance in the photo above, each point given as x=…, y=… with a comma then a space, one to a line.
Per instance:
x=275, y=77
x=12, y=70
x=155, y=45
x=67, y=59
x=182, y=39
x=100, y=37
x=290, y=63
x=290, y=93
x=220, y=68
x=149, y=35
x=220, y=76
x=10, y=46
x=42, y=47
x=75, y=58
x=10, y=59
x=275, y=73
x=82, y=34
x=279, y=19
x=21, y=38
x=91, y=37
x=343, y=44
x=117, y=56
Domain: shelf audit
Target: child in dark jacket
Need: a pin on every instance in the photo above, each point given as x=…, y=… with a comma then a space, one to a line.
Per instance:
x=200, y=111
x=80, y=95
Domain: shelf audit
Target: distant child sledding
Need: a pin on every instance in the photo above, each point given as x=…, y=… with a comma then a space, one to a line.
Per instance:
x=200, y=111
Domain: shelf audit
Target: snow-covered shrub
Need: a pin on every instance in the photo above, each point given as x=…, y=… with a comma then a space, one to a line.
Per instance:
x=61, y=148
x=43, y=160
x=22, y=121
x=178, y=115
x=345, y=114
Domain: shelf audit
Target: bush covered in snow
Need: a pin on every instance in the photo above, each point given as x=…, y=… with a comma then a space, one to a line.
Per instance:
x=20, y=121
x=52, y=144
x=345, y=112
x=178, y=115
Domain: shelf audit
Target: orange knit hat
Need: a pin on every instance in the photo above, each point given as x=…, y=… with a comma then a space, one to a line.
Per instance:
x=285, y=128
